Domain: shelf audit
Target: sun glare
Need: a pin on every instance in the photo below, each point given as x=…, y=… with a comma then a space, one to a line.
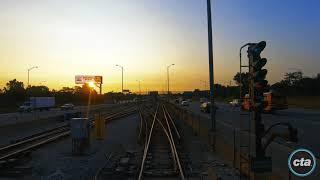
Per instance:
x=91, y=84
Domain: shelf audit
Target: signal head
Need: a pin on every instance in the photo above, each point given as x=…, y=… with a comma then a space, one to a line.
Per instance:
x=258, y=48
x=260, y=75
x=259, y=63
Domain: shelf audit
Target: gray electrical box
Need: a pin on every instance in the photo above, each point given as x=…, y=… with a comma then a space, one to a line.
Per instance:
x=79, y=128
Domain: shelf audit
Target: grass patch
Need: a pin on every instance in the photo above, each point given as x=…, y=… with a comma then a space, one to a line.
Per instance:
x=309, y=102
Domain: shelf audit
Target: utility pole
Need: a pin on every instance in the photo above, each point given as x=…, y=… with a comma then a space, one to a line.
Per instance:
x=29, y=73
x=211, y=78
x=122, y=77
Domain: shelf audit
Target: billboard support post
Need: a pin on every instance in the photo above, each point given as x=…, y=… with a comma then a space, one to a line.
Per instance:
x=83, y=79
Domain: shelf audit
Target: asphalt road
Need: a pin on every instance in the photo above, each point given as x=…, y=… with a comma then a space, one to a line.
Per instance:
x=17, y=117
x=306, y=121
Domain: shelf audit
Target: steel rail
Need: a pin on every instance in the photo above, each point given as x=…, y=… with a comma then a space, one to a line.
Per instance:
x=143, y=120
x=96, y=177
x=34, y=145
x=172, y=147
x=170, y=142
x=50, y=136
x=148, y=143
x=177, y=159
x=146, y=125
x=141, y=124
x=175, y=128
x=42, y=135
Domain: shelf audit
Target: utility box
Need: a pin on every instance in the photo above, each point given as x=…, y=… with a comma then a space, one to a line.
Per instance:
x=80, y=128
x=99, y=127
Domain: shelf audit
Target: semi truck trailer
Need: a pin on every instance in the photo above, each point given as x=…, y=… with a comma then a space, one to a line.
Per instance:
x=37, y=103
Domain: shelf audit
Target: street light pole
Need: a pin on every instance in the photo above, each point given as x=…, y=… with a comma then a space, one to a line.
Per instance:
x=210, y=46
x=139, y=86
x=122, y=76
x=205, y=84
x=29, y=72
x=168, y=76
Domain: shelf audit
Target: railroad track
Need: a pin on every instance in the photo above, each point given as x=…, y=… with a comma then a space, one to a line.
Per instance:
x=13, y=152
x=161, y=155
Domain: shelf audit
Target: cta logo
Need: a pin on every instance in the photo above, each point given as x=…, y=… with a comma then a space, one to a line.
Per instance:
x=302, y=162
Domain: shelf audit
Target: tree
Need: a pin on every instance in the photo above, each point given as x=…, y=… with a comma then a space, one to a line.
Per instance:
x=67, y=90
x=38, y=91
x=294, y=84
x=14, y=91
x=292, y=78
x=14, y=86
x=244, y=81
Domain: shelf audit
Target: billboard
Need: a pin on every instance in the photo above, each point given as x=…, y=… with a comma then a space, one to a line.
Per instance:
x=82, y=79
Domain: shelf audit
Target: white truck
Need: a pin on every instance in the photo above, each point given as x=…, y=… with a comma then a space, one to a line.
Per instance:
x=37, y=103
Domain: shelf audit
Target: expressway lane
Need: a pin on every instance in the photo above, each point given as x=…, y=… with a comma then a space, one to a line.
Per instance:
x=17, y=117
x=306, y=121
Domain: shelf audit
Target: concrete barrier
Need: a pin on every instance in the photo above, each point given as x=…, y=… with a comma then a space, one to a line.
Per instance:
x=227, y=146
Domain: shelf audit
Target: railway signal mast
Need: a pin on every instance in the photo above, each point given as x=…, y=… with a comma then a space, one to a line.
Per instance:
x=263, y=137
x=257, y=87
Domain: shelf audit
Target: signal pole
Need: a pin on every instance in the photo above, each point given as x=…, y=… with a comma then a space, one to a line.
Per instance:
x=211, y=78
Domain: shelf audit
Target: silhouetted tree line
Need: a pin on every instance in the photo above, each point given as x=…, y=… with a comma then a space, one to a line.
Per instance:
x=295, y=84
x=292, y=84
x=14, y=94
x=220, y=91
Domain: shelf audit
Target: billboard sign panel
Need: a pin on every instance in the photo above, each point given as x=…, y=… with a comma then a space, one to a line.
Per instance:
x=82, y=79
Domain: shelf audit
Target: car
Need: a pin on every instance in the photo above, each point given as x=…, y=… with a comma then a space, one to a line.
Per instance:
x=206, y=106
x=235, y=102
x=68, y=106
x=202, y=100
x=184, y=103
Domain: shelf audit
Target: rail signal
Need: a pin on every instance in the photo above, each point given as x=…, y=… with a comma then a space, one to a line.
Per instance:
x=257, y=72
x=256, y=89
x=257, y=85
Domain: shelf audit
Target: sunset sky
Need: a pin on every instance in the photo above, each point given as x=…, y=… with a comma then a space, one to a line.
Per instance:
x=68, y=38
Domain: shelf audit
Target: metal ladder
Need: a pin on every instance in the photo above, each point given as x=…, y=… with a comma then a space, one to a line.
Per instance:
x=244, y=145
x=245, y=132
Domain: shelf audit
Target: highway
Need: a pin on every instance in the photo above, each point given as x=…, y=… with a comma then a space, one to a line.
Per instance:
x=306, y=121
x=17, y=117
